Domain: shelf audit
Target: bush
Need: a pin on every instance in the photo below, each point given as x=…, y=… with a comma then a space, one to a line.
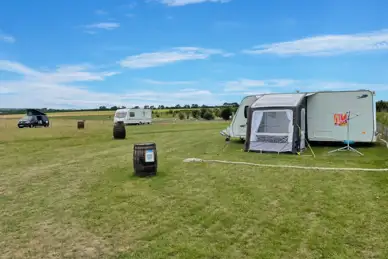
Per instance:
x=208, y=115
x=181, y=116
x=202, y=112
x=217, y=112
x=188, y=115
x=195, y=114
x=226, y=113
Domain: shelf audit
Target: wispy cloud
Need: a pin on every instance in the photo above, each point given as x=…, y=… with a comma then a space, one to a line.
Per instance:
x=7, y=38
x=154, y=59
x=100, y=12
x=63, y=74
x=156, y=82
x=59, y=88
x=108, y=26
x=326, y=45
x=251, y=86
x=103, y=26
x=248, y=84
x=187, y=2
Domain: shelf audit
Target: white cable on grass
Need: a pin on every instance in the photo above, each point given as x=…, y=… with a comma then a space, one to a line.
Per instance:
x=198, y=160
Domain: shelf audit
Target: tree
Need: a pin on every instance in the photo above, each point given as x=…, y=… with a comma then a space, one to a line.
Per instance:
x=226, y=113
x=186, y=106
x=194, y=105
x=113, y=108
x=381, y=106
x=102, y=108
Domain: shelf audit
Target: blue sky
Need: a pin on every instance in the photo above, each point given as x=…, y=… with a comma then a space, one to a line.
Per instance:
x=83, y=54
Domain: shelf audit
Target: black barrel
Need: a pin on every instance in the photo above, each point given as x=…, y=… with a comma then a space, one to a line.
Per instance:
x=145, y=159
x=81, y=124
x=119, y=130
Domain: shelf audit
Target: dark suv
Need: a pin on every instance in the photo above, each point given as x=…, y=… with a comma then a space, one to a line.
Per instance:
x=33, y=119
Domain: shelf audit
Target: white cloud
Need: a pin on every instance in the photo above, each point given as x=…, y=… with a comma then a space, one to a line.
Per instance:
x=249, y=86
x=63, y=74
x=103, y=26
x=187, y=2
x=326, y=45
x=156, y=82
x=60, y=88
x=154, y=59
x=7, y=38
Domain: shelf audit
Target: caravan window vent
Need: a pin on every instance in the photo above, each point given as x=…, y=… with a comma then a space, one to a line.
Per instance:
x=131, y=114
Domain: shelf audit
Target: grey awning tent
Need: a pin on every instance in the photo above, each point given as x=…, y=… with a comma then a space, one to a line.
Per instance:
x=276, y=123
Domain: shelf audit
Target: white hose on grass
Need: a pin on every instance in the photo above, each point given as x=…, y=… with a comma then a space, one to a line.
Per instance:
x=198, y=160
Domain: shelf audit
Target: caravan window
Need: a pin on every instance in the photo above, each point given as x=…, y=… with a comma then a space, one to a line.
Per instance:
x=246, y=111
x=274, y=122
x=131, y=114
x=121, y=114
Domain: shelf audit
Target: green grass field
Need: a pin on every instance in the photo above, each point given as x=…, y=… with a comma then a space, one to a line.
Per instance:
x=68, y=193
x=93, y=115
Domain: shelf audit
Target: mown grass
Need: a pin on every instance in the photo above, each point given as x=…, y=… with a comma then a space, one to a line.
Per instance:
x=71, y=193
x=92, y=114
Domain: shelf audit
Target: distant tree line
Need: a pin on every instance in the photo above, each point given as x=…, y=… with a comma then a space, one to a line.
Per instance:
x=381, y=106
x=205, y=113
x=113, y=108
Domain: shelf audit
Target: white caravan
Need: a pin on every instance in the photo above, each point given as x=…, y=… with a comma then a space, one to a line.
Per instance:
x=238, y=126
x=133, y=116
x=325, y=114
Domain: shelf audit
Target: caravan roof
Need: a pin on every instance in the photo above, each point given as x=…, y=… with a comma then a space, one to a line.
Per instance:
x=278, y=100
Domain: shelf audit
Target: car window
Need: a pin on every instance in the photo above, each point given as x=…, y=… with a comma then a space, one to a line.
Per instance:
x=27, y=118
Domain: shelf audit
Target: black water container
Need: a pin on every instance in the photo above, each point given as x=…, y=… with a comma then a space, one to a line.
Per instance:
x=145, y=159
x=119, y=130
x=81, y=124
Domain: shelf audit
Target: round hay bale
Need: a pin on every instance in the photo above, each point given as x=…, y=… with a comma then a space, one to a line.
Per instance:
x=119, y=130
x=81, y=124
x=145, y=159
